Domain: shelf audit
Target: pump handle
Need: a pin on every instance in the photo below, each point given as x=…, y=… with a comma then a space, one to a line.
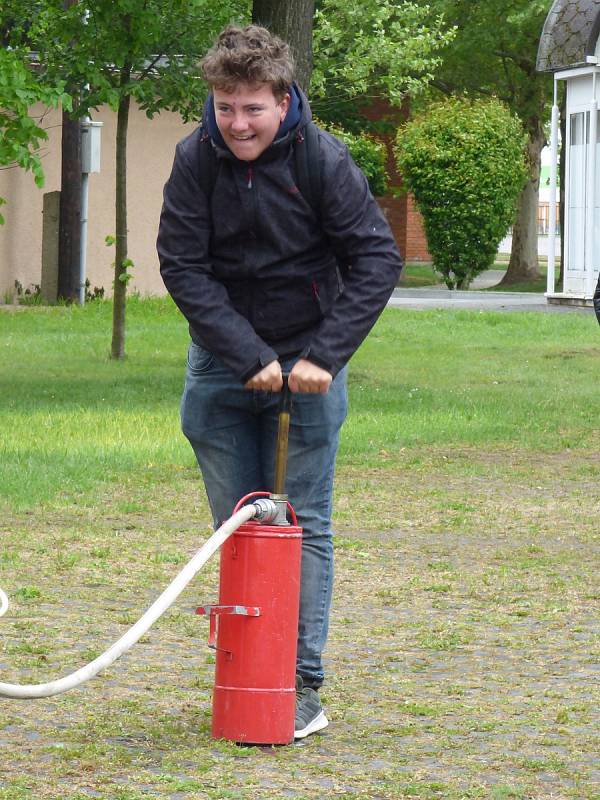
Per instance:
x=283, y=430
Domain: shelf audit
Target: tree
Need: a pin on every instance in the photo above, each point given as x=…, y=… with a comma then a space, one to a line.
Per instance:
x=464, y=162
x=21, y=26
x=20, y=134
x=119, y=50
x=293, y=22
x=369, y=49
x=494, y=53
x=368, y=153
x=359, y=48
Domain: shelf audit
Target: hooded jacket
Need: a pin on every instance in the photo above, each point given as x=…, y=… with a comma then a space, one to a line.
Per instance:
x=254, y=269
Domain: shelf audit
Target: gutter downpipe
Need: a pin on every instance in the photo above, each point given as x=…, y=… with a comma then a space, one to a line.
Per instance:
x=550, y=284
x=85, y=177
x=591, y=194
x=84, y=124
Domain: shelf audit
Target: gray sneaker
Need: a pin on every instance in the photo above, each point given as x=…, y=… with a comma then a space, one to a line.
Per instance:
x=310, y=716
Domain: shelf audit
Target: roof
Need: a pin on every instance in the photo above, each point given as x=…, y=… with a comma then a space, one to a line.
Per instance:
x=570, y=34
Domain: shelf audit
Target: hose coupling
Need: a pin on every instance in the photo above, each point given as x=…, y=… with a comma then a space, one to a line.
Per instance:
x=266, y=509
x=281, y=503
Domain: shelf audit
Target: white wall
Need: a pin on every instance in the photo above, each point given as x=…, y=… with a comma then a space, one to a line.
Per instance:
x=151, y=146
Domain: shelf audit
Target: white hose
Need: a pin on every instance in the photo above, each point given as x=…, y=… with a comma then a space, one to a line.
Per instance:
x=3, y=603
x=167, y=598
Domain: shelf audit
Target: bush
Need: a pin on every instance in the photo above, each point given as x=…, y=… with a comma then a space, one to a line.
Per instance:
x=368, y=152
x=465, y=164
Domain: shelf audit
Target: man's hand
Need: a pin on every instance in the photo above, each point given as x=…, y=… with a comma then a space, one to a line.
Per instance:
x=308, y=378
x=267, y=380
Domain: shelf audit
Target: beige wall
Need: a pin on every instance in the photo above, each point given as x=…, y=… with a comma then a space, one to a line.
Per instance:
x=151, y=145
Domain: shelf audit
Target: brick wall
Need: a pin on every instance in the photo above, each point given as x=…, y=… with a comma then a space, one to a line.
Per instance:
x=416, y=241
x=401, y=213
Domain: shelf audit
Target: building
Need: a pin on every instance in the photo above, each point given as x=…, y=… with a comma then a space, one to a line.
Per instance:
x=150, y=150
x=570, y=48
x=151, y=146
x=543, y=213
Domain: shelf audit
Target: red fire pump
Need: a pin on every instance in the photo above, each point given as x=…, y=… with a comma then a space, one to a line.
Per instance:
x=254, y=627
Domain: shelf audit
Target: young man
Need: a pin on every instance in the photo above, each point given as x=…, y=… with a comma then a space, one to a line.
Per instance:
x=254, y=269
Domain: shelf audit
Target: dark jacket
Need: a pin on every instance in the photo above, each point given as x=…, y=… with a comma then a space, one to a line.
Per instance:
x=252, y=268
x=597, y=300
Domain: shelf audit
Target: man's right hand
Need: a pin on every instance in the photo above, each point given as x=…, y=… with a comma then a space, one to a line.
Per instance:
x=269, y=379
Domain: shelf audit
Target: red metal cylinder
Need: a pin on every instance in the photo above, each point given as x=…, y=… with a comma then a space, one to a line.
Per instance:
x=255, y=674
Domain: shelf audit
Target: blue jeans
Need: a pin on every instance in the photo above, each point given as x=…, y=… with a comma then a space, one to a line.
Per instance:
x=233, y=433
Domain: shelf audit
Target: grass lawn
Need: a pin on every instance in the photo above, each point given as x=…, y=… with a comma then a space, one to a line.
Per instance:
x=416, y=275
x=463, y=652
x=537, y=285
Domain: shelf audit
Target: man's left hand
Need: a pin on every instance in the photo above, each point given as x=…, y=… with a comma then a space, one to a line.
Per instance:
x=308, y=378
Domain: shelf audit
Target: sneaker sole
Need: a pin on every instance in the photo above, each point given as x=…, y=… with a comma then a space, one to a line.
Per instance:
x=317, y=724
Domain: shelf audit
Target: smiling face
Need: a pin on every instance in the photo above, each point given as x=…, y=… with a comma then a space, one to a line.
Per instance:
x=249, y=118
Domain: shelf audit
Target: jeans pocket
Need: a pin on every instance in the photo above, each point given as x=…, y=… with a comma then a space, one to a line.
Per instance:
x=199, y=360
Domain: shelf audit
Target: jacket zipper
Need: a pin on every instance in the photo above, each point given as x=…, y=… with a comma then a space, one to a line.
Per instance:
x=250, y=186
x=253, y=212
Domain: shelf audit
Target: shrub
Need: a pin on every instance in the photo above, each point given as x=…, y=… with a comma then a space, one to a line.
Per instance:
x=464, y=161
x=368, y=152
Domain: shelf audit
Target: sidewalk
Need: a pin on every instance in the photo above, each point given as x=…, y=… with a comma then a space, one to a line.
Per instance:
x=435, y=297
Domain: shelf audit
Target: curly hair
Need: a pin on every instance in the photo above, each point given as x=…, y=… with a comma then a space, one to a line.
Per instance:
x=251, y=55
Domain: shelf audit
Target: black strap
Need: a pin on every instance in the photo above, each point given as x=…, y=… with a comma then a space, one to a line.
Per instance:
x=308, y=165
x=597, y=300
x=207, y=164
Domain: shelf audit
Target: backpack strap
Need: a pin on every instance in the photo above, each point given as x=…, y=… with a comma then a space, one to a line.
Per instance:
x=308, y=172
x=308, y=165
x=207, y=164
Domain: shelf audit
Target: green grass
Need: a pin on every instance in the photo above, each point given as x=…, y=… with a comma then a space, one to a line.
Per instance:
x=421, y=274
x=538, y=285
x=72, y=417
x=463, y=638
x=417, y=274
x=468, y=378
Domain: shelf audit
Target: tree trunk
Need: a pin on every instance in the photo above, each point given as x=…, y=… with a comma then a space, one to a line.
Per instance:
x=121, y=262
x=293, y=21
x=523, y=264
x=69, y=231
x=69, y=215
